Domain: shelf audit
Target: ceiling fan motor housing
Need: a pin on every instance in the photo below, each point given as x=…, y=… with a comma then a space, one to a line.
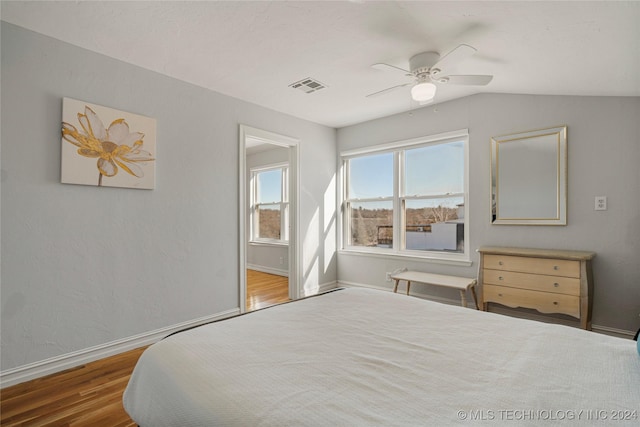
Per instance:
x=423, y=61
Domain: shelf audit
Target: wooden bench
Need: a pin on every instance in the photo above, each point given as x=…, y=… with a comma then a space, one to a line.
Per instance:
x=461, y=283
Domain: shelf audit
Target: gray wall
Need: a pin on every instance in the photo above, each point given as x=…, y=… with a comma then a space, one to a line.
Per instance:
x=83, y=266
x=603, y=156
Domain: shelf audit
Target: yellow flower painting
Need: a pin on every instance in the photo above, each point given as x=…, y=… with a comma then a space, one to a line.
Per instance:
x=121, y=157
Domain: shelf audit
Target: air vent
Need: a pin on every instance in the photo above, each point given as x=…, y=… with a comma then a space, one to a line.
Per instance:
x=308, y=85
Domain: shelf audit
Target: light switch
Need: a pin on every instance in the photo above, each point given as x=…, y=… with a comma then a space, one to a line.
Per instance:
x=601, y=203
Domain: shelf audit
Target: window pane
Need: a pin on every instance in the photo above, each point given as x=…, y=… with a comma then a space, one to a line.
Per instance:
x=270, y=186
x=435, y=224
x=372, y=224
x=371, y=176
x=269, y=222
x=435, y=169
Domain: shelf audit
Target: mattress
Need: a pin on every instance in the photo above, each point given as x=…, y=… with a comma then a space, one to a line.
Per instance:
x=361, y=357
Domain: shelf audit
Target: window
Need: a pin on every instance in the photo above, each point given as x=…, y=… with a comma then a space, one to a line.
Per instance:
x=407, y=198
x=269, y=204
x=371, y=199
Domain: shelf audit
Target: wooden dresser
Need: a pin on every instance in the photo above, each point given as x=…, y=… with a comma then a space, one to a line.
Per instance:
x=550, y=281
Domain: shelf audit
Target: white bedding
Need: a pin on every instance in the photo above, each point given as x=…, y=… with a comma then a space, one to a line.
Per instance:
x=359, y=357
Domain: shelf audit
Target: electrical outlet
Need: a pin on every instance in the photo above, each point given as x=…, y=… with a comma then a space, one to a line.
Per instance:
x=388, y=278
x=600, y=203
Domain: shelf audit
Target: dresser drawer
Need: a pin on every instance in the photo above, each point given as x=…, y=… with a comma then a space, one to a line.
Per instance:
x=541, y=301
x=536, y=282
x=550, y=267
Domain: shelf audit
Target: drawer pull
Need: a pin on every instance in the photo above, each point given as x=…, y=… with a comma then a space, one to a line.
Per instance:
x=500, y=278
x=556, y=285
x=555, y=303
x=499, y=262
x=499, y=295
x=555, y=267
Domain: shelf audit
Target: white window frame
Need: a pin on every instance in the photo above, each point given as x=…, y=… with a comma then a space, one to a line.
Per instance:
x=283, y=204
x=398, y=148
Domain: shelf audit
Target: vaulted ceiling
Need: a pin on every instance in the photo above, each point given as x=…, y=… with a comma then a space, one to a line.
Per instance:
x=255, y=50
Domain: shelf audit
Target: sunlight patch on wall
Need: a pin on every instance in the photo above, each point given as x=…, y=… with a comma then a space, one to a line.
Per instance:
x=330, y=203
x=329, y=245
x=329, y=220
x=311, y=244
x=311, y=283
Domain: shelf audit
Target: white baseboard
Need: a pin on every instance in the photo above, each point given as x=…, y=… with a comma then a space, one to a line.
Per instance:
x=52, y=365
x=613, y=331
x=321, y=288
x=417, y=294
x=621, y=333
x=268, y=270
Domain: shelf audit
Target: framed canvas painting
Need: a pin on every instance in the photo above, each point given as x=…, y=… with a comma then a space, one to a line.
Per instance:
x=106, y=147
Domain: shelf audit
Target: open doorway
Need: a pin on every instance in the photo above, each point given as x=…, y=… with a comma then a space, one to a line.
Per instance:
x=265, y=289
x=268, y=219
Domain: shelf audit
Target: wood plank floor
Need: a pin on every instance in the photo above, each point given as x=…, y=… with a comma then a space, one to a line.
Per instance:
x=87, y=395
x=265, y=289
x=91, y=394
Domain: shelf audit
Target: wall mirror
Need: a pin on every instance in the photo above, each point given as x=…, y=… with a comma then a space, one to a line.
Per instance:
x=529, y=177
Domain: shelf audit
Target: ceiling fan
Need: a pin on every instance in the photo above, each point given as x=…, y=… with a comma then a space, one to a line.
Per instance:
x=428, y=69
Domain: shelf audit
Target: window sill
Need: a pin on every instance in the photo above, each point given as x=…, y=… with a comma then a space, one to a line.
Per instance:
x=268, y=243
x=436, y=258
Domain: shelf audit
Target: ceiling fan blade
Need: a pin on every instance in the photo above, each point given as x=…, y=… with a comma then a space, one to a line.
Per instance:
x=458, y=54
x=474, y=80
x=390, y=68
x=389, y=89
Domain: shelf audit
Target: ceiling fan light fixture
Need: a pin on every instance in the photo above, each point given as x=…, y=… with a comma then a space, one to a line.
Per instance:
x=423, y=91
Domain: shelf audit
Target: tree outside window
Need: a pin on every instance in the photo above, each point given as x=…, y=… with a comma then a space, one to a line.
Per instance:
x=270, y=206
x=408, y=199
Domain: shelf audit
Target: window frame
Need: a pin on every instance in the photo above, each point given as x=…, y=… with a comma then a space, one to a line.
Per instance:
x=283, y=204
x=399, y=200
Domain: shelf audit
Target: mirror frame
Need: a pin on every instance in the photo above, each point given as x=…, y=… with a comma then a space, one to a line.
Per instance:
x=556, y=136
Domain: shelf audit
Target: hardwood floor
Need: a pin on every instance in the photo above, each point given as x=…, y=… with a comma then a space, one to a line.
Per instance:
x=87, y=395
x=265, y=289
x=91, y=394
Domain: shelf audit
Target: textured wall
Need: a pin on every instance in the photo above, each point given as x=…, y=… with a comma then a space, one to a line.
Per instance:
x=603, y=155
x=83, y=266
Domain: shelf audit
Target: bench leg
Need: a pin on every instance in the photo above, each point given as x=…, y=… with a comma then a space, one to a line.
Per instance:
x=463, y=298
x=475, y=298
x=395, y=288
x=408, y=286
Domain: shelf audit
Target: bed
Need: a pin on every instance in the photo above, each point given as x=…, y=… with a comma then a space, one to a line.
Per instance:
x=362, y=357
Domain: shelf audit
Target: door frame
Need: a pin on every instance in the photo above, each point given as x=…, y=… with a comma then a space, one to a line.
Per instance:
x=295, y=278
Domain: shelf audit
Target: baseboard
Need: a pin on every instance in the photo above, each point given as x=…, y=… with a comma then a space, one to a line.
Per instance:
x=268, y=270
x=52, y=365
x=621, y=333
x=321, y=288
x=417, y=294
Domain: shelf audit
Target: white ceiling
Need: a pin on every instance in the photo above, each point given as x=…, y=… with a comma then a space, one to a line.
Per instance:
x=255, y=50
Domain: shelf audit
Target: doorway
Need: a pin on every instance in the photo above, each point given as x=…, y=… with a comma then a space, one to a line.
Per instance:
x=265, y=289
x=269, y=272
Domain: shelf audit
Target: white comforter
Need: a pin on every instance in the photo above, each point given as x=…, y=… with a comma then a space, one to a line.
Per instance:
x=359, y=357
